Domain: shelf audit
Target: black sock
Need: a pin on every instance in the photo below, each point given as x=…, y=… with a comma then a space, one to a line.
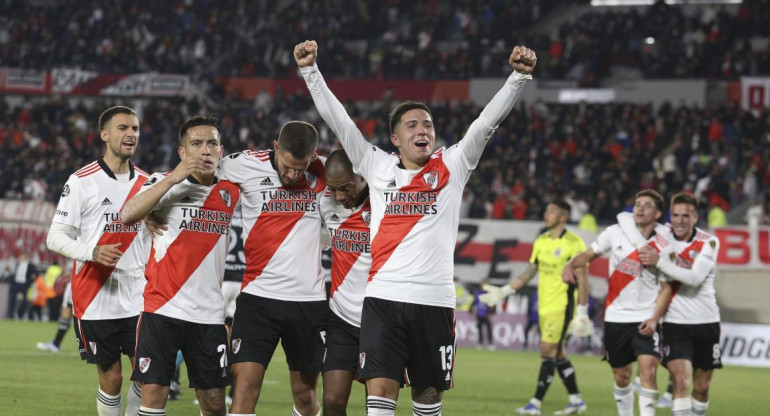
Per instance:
x=545, y=378
x=64, y=326
x=567, y=374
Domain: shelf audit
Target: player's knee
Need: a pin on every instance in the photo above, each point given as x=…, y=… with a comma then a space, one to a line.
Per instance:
x=334, y=403
x=303, y=396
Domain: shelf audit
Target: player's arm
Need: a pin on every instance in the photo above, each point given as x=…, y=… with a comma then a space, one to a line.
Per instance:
x=328, y=106
x=523, y=61
x=661, y=305
x=144, y=202
x=62, y=238
x=701, y=267
x=569, y=274
x=496, y=294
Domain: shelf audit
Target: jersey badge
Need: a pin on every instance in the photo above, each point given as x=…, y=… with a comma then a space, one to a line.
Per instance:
x=713, y=243
x=65, y=191
x=311, y=179
x=236, y=345
x=92, y=344
x=431, y=179
x=367, y=217
x=144, y=364
x=225, y=194
x=557, y=253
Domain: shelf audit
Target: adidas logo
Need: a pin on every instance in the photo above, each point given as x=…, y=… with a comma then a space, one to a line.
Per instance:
x=106, y=202
x=392, y=184
x=186, y=200
x=334, y=218
x=266, y=182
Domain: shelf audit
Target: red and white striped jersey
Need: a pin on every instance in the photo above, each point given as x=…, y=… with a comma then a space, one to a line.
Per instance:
x=281, y=227
x=351, y=256
x=415, y=214
x=187, y=263
x=91, y=202
x=694, y=301
x=633, y=288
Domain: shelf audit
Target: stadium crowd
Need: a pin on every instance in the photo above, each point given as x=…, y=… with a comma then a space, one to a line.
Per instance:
x=594, y=155
x=389, y=39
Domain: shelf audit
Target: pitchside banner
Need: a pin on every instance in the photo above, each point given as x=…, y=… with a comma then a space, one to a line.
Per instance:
x=745, y=344
x=23, y=229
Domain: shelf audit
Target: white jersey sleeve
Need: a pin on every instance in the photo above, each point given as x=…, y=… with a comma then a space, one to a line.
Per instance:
x=333, y=113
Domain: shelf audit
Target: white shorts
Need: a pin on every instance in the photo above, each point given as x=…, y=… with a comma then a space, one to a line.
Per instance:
x=230, y=290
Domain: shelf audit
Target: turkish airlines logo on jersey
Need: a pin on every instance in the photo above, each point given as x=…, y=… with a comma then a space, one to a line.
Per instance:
x=431, y=179
x=225, y=194
x=236, y=345
x=92, y=344
x=367, y=217
x=144, y=364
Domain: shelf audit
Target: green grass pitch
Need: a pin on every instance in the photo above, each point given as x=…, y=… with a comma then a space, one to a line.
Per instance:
x=487, y=383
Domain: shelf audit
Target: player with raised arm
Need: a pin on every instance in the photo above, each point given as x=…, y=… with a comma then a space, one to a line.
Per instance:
x=691, y=328
x=183, y=303
x=550, y=252
x=407, y=324
x=347, y=214
x=637, y=298
x=283, y=295
x=108, y=277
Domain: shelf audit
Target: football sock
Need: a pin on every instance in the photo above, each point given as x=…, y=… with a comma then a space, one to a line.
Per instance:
x=567, y=374
x=146, y=411
x=420, y=409
x=380, y=406
x=681, y=407
x=647, y=401
x=624, y=400
x=699, y=408
x=107, y=405
x=64, y=326
x=545, y=377
x=133, y=399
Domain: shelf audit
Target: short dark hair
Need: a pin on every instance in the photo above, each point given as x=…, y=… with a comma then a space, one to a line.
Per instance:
x=395, y=115
x=298, y=138
x=563, y=205
x=111, y=112
x=656, y=197
x=684, y=198
x=199, y=120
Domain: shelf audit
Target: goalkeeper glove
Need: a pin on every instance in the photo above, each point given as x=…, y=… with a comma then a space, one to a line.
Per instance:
x=495, y=294
x=581, y=325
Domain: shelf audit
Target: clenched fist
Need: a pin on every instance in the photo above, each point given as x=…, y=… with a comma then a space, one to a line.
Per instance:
x=522, y=60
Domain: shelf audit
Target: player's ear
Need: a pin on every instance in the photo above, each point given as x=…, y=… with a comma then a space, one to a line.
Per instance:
x=104, y=135
x=275, y=145
x=394, y=140
x=180, y=150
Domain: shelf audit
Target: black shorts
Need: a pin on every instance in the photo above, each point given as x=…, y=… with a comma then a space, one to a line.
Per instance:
x=204, y=347
x=260, y=322
x=697, y=343
x=102, y=341
x=341, y=345
x=407, y=342
x=623, y=343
